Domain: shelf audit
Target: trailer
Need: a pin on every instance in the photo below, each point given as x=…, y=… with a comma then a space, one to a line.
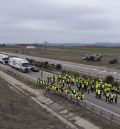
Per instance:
x=4, y=59
x=19, y=64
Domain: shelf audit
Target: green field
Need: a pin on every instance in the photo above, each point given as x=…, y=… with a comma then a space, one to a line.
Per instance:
x=73, y=54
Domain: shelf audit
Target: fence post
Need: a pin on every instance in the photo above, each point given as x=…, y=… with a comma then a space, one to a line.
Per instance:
x=92, y=107
x=111, y=118
x=100, y=113
x=85, y=104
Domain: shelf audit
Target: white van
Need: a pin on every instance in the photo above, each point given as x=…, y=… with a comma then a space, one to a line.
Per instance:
x=19, y=64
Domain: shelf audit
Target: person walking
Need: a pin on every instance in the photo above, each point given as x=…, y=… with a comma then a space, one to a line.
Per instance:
x=111, y=97
x=82, y=96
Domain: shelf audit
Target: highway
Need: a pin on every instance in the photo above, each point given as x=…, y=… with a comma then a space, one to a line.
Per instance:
x=81, y=68
x=91, y=97
x=92, y=70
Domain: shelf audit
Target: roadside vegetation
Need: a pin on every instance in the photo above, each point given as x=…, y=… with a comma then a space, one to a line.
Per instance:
x=46, y=65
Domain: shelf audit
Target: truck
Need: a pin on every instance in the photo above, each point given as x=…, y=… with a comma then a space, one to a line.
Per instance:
x=4, y=59
x=19, y=64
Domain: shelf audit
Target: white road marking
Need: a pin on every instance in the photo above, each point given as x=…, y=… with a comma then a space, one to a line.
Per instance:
x=112, y=73
x=118, y=74
x=102, y=71
x=94, y=69
x=81, y=67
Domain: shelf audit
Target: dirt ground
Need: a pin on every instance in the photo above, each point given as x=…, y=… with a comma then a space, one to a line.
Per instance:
x=102, y=123
x=72, y=54
x=19, y=112
x=76, y=109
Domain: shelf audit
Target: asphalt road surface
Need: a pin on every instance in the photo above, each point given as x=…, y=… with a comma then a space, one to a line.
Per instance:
x=88, y=69
x=80, y=67
x=89, y=97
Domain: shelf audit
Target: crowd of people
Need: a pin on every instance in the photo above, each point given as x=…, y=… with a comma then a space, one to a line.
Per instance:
x=76, y=87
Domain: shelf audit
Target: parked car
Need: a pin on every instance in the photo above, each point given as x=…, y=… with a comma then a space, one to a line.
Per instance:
x=34, y=68
x=113, y=61
x=92, y=57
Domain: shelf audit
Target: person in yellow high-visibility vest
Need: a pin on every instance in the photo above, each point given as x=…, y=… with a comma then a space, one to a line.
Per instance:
x=111, y=98
x=38, y=81
x=107, y=96
x=82, y=96
x=99, y=93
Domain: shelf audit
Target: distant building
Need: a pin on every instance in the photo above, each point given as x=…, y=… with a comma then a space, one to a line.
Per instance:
x=28, y=47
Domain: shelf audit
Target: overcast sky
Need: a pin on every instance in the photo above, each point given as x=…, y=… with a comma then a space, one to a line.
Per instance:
x=60, y=21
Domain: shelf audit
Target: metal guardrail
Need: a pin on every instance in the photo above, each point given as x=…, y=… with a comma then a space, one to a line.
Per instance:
x=101, y=112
